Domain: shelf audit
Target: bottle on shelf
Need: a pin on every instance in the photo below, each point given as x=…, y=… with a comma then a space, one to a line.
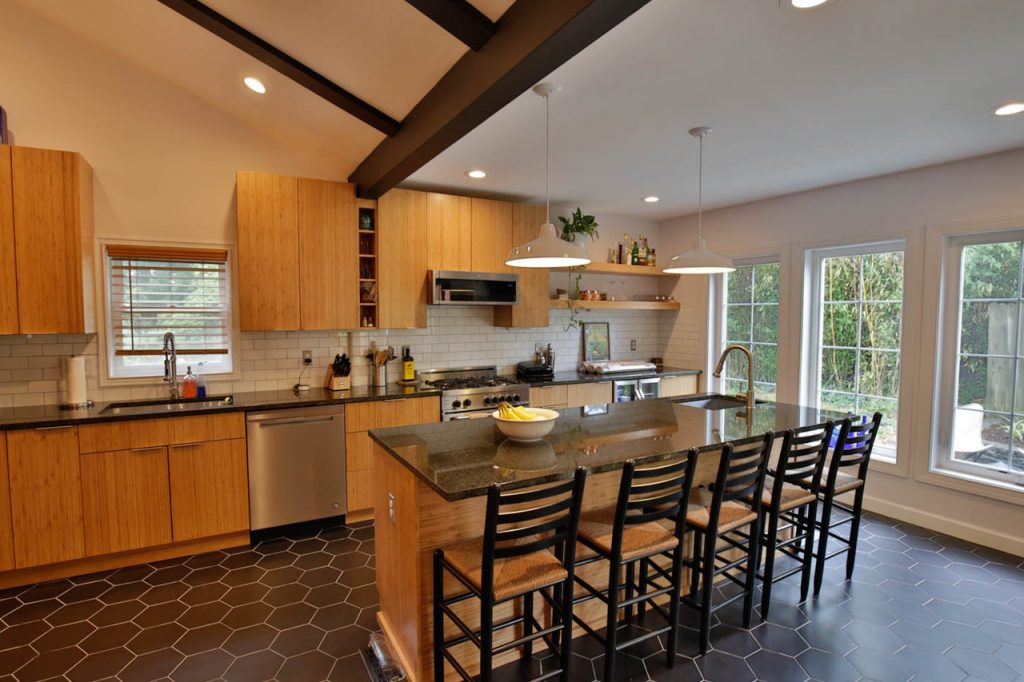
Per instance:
x=634, y=254
x=646, y=253
x=653, y=260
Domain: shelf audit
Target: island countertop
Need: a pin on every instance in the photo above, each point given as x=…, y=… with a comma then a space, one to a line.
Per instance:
x=461, y=459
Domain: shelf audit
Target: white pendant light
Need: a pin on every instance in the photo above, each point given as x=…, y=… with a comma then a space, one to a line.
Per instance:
x=700, y=260
x=548, y=250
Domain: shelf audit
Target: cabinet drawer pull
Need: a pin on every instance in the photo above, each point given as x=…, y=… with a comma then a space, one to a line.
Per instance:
x=395, y=400
x=186, y=445
x=149, y=449
x=53, y=428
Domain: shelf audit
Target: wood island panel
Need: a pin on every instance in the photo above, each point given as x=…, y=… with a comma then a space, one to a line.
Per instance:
x=6, y=533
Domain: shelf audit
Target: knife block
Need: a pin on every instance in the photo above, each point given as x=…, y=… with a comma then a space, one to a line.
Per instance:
x=333, y=383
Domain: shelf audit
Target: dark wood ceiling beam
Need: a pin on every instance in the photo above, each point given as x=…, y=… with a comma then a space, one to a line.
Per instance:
x=459, y=18
x=534, y=38
x=283, y=63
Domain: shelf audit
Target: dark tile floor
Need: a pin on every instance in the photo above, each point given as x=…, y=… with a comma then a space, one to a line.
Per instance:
x=921, y=607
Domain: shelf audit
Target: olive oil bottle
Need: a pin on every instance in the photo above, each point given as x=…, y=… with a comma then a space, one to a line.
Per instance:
x=408, y=365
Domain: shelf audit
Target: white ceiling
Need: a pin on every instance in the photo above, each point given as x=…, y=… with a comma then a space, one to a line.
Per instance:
x=797, y=100
x=385, y=52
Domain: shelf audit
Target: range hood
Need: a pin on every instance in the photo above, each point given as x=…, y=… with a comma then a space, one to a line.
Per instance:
x=454, y=287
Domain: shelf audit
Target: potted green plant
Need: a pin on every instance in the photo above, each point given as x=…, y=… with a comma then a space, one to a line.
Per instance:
x=578, y=228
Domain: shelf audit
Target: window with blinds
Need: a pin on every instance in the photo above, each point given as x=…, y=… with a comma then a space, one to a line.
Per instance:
x=155, y=290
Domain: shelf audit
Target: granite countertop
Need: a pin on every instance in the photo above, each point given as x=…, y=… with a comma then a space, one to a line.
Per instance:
x=51, y=415
x=574, y=377
x=462, y=459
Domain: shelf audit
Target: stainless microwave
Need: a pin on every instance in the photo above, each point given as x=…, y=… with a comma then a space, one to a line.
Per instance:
x=452, y=287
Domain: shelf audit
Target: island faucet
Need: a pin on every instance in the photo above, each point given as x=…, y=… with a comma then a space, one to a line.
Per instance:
x=749, y=395
x=171, y=365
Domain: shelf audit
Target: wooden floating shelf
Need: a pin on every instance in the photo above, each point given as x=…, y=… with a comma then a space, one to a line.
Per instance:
x=619, y=305
x=617, y=269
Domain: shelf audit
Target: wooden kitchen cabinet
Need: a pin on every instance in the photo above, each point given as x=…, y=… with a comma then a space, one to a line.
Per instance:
x=678, y=385
x=328, y=255
x=126, y=500
x=549, y=396
x=449, y=232
x=6, y=533
x=534, y=283
x=492, y=235
x=402, y=259
x=591, y=393
x=363, y=417
x=8, y=275
x=46, y=496
x=268, y=251
x=208, y=488
x=52, y=207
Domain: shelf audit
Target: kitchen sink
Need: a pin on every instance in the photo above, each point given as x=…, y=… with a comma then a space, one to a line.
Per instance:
x=162, y=406
x=715, y=401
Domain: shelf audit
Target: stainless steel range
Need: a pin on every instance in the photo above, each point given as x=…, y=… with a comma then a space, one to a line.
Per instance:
x=474, y=392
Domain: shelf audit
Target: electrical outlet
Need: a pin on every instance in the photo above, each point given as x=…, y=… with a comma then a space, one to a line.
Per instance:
x=391, y=508
x=307, y=357
x=632, y=344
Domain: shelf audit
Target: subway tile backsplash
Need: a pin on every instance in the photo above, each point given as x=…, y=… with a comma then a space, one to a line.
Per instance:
x=31, y=368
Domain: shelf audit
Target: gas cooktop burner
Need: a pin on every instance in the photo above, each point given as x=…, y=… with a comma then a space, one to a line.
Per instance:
x=471, y=382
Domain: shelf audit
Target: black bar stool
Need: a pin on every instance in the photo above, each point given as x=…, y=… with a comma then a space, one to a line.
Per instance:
x=852, y=452
x=741, y=472
x=513, y=561
x=789, y=505
x=628, y=534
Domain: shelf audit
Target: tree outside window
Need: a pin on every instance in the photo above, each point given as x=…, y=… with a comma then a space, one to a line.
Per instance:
x=752, y=321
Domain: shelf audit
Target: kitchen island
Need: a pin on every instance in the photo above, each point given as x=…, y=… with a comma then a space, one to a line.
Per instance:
x=431, y=483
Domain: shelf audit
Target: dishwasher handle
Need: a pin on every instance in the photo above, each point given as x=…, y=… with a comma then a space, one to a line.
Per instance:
x=292, y=420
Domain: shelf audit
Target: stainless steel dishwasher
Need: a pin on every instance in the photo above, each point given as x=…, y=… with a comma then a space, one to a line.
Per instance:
x=296, y=465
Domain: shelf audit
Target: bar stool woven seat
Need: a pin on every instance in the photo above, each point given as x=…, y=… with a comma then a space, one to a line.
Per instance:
x=732, y=516
x=793, y=496
x=638, y=540
x=512, y=576
x=844, y=483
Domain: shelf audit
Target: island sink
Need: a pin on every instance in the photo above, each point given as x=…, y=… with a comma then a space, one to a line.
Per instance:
x=714, y=401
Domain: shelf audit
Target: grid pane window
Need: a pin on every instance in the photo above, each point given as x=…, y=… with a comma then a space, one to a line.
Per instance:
x=752, y=321
x=988, y=422
x=859, y=340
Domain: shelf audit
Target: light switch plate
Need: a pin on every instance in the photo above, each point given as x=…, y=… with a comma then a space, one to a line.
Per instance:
x=632, y=344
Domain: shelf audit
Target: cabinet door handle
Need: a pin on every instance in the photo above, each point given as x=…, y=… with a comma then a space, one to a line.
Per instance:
x=395, y=400
x=53, y=428
x=185, y=445
x=149, y=449
x=293, y=420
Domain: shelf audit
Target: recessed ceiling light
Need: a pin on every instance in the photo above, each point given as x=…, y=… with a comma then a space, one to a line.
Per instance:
x=652, y=200
x=255, y=84
x=1009, y=109
x=476, y=174
x=807, y=4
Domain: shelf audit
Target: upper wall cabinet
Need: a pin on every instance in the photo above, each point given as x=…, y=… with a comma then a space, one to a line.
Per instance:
x=449, y=232
x=402, y=259
x=492, y=235
x=297, y=256
x=532, y=308
x=46, y=242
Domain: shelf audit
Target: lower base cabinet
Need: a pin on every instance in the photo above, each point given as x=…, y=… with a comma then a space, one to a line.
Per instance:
x=209, y=488
x=46, y=496
x=126, y=500
x=6, y=536
x=678, y=385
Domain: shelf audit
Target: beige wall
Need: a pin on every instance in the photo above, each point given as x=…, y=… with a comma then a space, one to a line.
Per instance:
x=164, y=160
x=911, y=206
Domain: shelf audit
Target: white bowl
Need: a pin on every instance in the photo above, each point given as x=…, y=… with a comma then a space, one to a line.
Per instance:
x=527, y=431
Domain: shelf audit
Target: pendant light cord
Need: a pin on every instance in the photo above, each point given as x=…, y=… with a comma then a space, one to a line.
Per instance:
x=700, y=190
x=547, y=158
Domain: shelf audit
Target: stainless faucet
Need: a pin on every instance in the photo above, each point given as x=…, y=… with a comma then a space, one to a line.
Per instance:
x=171, y=365
x=749, y=395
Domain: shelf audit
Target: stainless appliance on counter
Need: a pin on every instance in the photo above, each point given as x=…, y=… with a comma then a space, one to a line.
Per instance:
x=645, y=388
x=474, y=392
x=451, y=287
x=296, y=465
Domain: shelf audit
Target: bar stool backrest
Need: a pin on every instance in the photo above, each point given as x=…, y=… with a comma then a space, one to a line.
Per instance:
x=853, y=447
x=802, y=458
x=523, y=522
x=741, y=472
x=653, y=493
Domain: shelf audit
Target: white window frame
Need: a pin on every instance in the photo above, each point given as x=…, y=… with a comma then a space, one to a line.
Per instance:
x=942, y=460
x=107, y=357
x=719, y=297
x=812, y=356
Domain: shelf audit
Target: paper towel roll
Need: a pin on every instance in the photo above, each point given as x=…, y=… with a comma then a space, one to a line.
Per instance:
x=74, y=372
